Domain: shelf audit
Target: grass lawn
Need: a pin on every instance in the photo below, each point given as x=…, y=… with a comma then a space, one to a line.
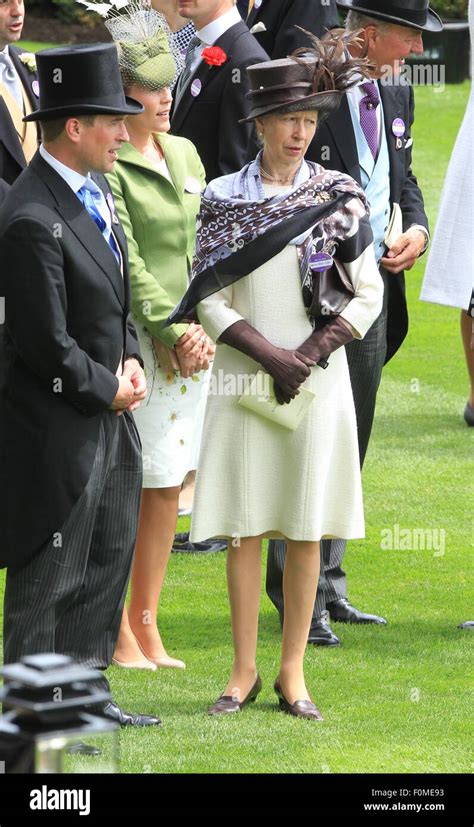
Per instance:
x=394, y=699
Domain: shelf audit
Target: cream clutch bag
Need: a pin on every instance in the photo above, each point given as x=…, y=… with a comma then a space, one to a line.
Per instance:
x=260, y=399
x=395, y=227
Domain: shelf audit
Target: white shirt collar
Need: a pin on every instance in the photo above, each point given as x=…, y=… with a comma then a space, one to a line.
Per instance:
x=71, y=177
x=213, y=31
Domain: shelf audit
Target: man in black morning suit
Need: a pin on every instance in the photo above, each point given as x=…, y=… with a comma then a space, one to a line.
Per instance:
x=280, y=18
x=71, y=373
x=391, y=33
x=18, y=82
x=209, y=101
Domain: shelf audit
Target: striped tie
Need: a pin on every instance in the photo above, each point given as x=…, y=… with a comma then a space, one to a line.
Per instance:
x=185, y=75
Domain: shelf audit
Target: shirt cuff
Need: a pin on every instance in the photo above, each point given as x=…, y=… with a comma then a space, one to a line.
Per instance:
x=425, y=233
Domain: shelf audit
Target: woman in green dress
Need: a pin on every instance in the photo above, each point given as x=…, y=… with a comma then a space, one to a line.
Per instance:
x=156, y=186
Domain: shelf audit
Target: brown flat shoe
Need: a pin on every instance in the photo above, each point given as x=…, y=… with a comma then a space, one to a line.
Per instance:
x=226, y=704
x=300, y=709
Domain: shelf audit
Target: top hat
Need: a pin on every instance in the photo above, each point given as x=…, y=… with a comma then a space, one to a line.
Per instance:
x=83, y=79
x=414, y=13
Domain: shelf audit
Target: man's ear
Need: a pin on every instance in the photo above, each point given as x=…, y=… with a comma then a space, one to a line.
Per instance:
x=73, y=129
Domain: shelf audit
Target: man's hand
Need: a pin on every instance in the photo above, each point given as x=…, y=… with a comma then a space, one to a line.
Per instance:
x=133, y=371
x=405, y=251
x=124, y=396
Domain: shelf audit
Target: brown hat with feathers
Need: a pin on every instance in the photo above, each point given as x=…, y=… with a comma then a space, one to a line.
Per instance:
x=311, y=78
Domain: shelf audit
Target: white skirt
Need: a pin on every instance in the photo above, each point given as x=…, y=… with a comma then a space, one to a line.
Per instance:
x=170, y=419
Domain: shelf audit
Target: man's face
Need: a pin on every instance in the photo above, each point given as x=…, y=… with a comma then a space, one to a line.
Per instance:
x=12, y=15
x=202, y=12
x=97, y=144
x=389, y=49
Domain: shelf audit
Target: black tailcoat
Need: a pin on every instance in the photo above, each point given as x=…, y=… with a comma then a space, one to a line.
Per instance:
x=67, y=327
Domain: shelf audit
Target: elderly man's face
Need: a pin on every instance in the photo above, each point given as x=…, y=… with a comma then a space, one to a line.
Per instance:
x=388, y=50
x=12, y=14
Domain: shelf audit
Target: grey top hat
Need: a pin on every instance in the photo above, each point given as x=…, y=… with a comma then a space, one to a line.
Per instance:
x=82, y=79
x=414, y=13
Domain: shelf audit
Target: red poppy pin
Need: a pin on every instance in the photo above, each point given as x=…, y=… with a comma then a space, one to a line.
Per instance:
x=214, y=56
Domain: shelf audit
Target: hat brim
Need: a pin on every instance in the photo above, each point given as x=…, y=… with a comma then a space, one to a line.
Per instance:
x=433, y=23
x=132, y=107
x=327, y=101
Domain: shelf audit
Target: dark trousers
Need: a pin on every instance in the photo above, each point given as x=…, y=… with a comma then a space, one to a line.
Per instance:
x=366, y=359
x=69, y=598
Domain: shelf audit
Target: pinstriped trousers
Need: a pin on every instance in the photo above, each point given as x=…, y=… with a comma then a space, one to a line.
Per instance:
x=366, y=359
x=69, y=598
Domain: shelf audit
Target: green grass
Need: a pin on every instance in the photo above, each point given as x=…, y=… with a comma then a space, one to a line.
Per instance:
x=394, y=699
x=34, y=46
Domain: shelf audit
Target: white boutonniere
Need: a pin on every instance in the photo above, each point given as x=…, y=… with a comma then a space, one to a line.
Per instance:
x=259, y=27
x=29, y=60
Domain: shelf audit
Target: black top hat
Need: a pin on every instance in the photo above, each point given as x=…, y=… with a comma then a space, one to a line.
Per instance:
x=414, y=13
x=83, y=79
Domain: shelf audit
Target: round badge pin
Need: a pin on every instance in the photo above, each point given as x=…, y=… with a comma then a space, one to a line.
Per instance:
x=36, y=88
x=196, y=87
x=257, y=4
x=319, y=262
x=398, y=127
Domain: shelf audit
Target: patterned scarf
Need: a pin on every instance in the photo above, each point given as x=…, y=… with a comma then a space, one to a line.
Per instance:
x=238, y=230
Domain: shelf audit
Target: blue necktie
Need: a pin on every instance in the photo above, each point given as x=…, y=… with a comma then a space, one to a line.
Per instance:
x=91, y=196
x=10, y=79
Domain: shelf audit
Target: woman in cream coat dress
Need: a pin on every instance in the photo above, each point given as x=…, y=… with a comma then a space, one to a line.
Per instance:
x=255, y=478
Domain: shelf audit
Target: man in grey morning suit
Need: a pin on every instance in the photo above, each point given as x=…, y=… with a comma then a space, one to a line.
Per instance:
x=71, y=373
x=345, y=142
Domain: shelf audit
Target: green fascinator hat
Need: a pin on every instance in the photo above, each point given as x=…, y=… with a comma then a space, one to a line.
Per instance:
x=148, y=54
x=149, y=63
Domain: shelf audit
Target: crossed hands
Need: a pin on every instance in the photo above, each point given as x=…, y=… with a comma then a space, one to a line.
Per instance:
x=194, y=350
x=132, y=388
x=289, y=369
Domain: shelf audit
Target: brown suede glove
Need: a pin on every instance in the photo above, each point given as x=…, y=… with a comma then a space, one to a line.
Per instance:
x=285, y=367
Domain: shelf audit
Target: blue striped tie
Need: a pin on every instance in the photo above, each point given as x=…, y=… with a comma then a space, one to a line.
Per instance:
x=91, y=196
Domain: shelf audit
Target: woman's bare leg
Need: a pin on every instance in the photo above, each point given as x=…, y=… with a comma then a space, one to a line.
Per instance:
x=300, y=581
x=244, y=576
x=156, y=529
x=467, y=336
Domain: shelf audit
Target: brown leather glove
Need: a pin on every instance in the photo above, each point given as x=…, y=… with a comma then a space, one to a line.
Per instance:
x=287, y=369
x=323, y=342
x=316, y=349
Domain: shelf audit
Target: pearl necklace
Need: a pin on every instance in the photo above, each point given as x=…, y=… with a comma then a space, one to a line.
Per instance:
x=276, y=180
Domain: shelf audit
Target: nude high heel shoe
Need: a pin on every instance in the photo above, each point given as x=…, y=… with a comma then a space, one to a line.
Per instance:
x=144, y=663
x=164, y=662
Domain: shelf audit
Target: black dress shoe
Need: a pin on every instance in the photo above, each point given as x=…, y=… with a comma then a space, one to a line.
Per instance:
x=343, y=612
x=205, y=547
x=469, y=415
x=113, y=713
x=79, y=748
x=321, y=634
x=468, y=624
x=300, y=709
x=226, y=704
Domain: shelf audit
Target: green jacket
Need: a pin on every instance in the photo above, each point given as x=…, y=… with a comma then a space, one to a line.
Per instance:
x=159, y=220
